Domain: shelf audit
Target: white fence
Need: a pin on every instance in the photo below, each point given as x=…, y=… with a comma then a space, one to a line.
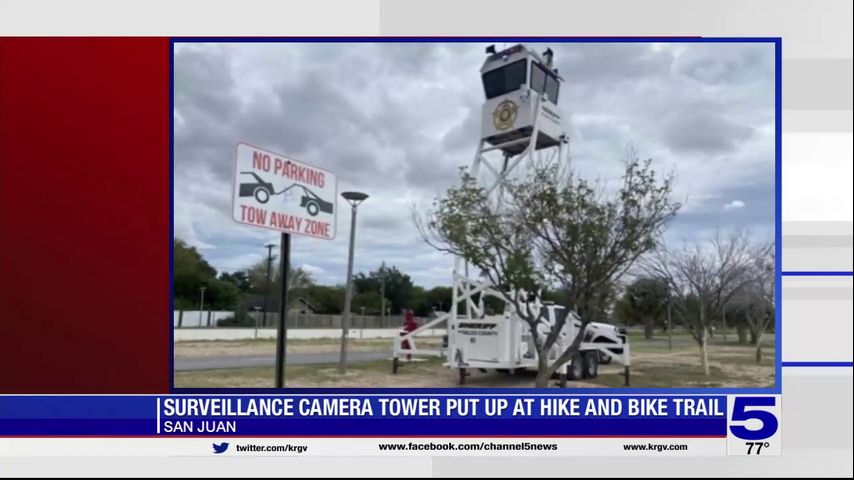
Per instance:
x=195, y=318
x=205, y=319
x=223, y=333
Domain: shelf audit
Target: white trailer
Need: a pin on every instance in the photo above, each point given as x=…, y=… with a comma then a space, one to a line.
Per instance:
x=503, y=342
x=522, y=127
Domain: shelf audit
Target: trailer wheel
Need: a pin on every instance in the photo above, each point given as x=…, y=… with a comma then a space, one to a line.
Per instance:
x=575, y=371
x=591, y=364
x=604, y=359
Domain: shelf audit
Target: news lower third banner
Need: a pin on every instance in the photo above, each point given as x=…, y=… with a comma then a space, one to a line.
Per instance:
x=731, y=423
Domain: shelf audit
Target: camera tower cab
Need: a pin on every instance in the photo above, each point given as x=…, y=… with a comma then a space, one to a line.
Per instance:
x=521, y=123
x=522, y=128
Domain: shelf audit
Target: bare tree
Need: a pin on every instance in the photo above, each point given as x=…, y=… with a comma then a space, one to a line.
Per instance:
x=703, y=277
x=298, y=280
x=555, y=234
x=762, y=289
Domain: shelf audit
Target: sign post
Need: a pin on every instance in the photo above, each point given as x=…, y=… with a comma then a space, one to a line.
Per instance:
x=282, y=331
x=275, y=192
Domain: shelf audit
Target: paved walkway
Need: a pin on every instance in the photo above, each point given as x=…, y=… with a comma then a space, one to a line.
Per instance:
x=249, y=361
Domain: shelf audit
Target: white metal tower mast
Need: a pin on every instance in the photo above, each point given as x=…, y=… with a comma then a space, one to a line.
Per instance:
x=521, y=128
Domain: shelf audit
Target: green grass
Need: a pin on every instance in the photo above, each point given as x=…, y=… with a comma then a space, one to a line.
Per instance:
x=664, y=376
x=259, y=377
x=731, y=364
x=726, y=369
x=262, y=377
x=683, y=341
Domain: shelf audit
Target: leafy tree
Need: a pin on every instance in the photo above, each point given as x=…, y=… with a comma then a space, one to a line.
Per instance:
x=370, y=301
x=417, y=302
x=644, y=301
x=299, y=281
x=439, y=298
x=242, y=317
x=182, y=303
x=398, y=286
x=190, y=273
x=328, y=300
x=221, y=295
x=555, y=233
x=239, y=279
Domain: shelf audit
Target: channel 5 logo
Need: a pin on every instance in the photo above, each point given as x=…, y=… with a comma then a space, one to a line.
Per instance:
x=761, y=410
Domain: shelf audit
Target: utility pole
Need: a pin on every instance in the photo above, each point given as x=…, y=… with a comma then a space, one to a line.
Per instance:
x=201, y=304
x=270, y=258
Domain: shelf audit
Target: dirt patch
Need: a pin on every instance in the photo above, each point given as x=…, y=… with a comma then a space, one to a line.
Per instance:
x=730, y=366
x=422, y=374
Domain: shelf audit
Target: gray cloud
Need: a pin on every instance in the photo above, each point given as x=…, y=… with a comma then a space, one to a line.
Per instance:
x=750, y=63
x=694, y=130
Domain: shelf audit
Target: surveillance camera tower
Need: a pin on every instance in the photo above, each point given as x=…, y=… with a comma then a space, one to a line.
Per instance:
x=522, y=129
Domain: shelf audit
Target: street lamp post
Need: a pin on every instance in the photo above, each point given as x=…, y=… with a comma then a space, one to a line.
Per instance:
x=354, y=199
x=669, y=326
x=201, y=304
x=382, y=295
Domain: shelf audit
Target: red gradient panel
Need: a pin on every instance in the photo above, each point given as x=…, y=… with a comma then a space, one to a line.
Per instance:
x=84, y=215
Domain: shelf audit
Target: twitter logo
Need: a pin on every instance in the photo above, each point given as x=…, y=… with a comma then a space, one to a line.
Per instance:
x=220, y=448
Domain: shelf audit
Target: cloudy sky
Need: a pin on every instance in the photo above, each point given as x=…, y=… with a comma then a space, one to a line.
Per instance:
x=397, y=121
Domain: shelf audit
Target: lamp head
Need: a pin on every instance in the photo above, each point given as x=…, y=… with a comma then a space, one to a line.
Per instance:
x=354, y=198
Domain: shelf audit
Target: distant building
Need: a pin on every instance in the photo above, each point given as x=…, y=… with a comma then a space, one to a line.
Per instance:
x=299, y=306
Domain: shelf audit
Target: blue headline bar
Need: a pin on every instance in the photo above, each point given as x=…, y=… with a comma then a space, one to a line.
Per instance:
x=344, y=415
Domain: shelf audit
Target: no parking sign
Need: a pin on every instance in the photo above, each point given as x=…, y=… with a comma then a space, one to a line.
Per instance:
x=276, y=192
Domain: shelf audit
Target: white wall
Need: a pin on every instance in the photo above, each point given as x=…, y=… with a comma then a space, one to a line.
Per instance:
x=191, y=318
x=193, y=334
x=295, y=320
